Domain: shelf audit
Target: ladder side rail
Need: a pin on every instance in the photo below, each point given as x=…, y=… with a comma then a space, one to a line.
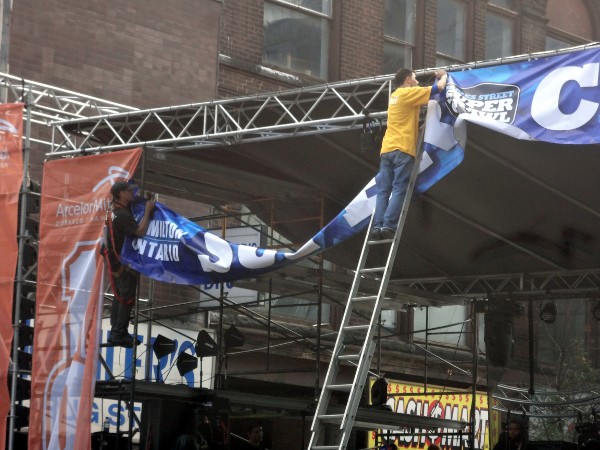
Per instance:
x=333, y=368
x=402, y=220
x=356, y=281
x=368, y=350
x=368, y=346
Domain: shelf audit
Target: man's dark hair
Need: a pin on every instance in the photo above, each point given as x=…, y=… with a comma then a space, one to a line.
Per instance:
x=401, y=76
x=517, y=420
x=119, y=187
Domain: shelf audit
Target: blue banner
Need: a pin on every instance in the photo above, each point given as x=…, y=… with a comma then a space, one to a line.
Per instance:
x=176, y=250
x=549, y=98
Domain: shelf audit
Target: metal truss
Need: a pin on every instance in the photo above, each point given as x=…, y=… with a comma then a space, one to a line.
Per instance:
x=546, y=285
x=546, y=404
x=313, y=110
x=50, y=104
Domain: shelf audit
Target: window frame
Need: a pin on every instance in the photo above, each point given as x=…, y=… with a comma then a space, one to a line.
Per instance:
x=565, y=37
x=422, y=335
x=310, y=13
x=302, y=9
x=403, y=44
x=468, y=37
x=508, y=14
x=511, y=8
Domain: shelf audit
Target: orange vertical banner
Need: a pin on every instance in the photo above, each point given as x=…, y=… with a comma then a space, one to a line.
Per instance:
x=11, y=178
x=75, y=199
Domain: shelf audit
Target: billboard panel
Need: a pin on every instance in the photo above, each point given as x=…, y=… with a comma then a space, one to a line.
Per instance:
x=410, y=398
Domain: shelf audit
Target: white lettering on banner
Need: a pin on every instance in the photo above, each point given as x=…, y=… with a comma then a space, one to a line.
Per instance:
x=65, y=382
x=545, y=103
x=164, y=229
x=494, y=109
x=248, y=257
x=78, y=209
x=119, y=364
x=221, y=250
x=157, y=250
x=444, y=409
x=490, y=100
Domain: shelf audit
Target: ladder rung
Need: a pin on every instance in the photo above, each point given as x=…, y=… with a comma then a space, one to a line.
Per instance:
x=382, y=241
x=332, y=418
x=340, y=387
x=357, y=332
x=357, y=327
x=364, y=299
x=372, y=269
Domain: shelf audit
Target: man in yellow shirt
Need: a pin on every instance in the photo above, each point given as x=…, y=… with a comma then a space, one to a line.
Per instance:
x=399, y=147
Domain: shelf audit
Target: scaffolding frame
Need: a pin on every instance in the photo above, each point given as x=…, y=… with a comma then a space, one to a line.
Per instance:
x=49, y=104
x=545, y=404
x=313, y=110
x=80, y=123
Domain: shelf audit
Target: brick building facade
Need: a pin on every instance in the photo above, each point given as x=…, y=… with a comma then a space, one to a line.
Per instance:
x=359, y=31
x=357, y=37
x=147, y=53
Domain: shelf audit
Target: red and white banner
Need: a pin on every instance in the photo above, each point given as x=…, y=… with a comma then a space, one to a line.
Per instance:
x=75, y=199
x=11, y=178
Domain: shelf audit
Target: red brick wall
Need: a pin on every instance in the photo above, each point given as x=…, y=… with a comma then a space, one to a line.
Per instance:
x=478, y=45
x=428, y=35
x=242, y=30
x=143, y=53
x=575, y=19
x=361, y=48
x=241, y=45
x=237, y=81
x=532, y=26
x=356, y=48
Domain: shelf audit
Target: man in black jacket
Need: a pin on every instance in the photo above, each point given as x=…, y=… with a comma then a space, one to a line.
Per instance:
x=515, y=436
x=123, y=279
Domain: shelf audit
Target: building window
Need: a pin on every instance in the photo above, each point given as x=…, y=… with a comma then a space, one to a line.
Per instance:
x=498, y=36
x=553, y=43
x=399, y=32
x=451, y=32
x=296, y=35
x=300, y=310
x=432, y=324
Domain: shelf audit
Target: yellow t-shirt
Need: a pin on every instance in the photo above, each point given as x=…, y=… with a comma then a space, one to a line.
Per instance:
x=403, y=119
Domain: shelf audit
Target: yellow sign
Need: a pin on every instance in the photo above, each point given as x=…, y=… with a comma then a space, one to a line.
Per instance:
x=411, y=399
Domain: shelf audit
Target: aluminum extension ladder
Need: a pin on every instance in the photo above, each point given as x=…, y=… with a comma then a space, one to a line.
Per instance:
x=350, y=326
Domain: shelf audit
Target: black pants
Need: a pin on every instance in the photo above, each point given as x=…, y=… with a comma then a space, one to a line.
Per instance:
x=126, y=288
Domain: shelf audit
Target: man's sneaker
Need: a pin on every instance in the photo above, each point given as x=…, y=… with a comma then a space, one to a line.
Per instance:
x=387, y=233
x=375, y=234
x=122, y=340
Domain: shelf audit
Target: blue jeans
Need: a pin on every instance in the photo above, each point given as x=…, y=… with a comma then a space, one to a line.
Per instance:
x=394, y=174
x=126, y=289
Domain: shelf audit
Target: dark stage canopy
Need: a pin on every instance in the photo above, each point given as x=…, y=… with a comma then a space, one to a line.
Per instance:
x=512, y=208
